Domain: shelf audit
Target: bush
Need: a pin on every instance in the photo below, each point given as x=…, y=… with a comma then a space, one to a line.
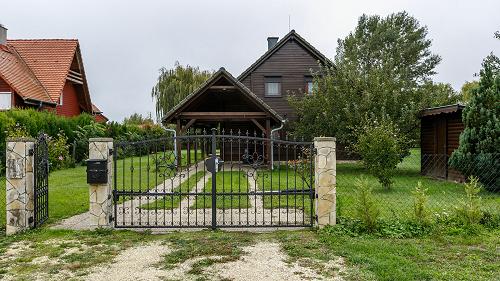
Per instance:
x=420, y=210
x=381, y=150
x=367, y=210
x=469, y=209
x=59, y=152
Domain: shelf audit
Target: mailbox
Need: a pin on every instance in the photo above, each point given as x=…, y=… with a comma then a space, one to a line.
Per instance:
x=213, y=164
x=97, y=171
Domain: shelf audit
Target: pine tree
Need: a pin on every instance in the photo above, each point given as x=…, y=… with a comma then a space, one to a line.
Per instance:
x=479, y=151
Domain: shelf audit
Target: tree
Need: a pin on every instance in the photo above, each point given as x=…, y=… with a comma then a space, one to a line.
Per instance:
x=173, y=85
x=138, y=119
x=381, y=70
x=478, y=153
x=466, y=90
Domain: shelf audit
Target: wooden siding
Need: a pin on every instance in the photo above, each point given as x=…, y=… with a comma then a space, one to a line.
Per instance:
x=4, y=87
x=293, y=63
x=70, y=106
x=440, y=136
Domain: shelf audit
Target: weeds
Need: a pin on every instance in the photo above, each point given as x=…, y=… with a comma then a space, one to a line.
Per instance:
x=366, y=208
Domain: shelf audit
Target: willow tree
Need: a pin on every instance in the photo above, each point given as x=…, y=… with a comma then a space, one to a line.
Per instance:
x=173, y=85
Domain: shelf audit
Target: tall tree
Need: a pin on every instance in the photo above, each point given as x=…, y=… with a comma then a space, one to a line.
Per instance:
x=479, y=151
x=382, y=69
x=173, y=85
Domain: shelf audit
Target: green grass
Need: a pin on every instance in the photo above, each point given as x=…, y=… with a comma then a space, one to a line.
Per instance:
x=168, y=202
x=443, y=196
x=284, y=178
x=234, y=181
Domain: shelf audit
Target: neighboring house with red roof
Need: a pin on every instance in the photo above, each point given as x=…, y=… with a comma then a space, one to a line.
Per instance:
x=45, y=74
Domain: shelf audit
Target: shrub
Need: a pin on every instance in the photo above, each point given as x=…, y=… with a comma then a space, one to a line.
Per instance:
x=469, y=209
x=381, y=150
x=367, y=210
x=420, y=210
x=59, y=152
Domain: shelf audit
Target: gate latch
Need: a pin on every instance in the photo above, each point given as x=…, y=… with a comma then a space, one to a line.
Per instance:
x=213, y=164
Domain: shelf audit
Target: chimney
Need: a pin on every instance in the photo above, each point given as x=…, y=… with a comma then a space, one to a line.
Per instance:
x=271, y=41
x=3, y=35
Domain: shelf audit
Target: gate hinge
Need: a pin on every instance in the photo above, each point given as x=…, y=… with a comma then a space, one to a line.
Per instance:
x=315, y=150
x=111, y=218
x=110, y=151
x=31, y=152
x=316, y=218
x=316, y=195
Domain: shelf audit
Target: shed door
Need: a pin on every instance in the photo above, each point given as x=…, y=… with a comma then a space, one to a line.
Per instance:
x=440, y=149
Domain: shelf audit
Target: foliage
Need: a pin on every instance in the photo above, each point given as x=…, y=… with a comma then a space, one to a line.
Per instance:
x=381, y=70
x=466, y=90
x=138, y=119
x=367, y=210
x=469, y=210
x=173, y=85
x=478, y=153
x=17, y=131
x=59, y=157
x=381, y=148
x=420, y=209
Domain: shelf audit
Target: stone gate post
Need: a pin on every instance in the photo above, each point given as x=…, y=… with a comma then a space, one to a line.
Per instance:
x=19, y=184
x=325, y=181
x=101, y=200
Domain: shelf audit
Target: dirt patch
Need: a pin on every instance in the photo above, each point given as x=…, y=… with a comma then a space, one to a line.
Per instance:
x=137, y=263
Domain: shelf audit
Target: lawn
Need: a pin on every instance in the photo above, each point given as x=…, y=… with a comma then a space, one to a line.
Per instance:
x=173, y=201
x=282, y=178
x=443, y=196
x=68, y=194
x=229, y=181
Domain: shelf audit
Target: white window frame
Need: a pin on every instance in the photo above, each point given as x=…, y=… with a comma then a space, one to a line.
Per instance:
x=272, y=80
x=61, y=99
x=10, y=101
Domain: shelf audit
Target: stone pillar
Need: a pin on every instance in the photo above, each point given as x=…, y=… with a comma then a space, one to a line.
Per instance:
x=101, y=200
x=325, y=181
x=19, y=184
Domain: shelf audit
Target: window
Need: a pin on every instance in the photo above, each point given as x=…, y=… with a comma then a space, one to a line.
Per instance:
x=310, y=85
x=5, y=100
x=273, y=86
x=61, y=99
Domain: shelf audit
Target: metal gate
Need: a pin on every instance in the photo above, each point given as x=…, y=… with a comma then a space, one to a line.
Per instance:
x=41, y=182
x=213, y=180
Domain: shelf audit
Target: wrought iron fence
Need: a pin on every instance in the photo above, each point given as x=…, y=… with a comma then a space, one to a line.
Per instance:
x=442, y=182
x=223, y=179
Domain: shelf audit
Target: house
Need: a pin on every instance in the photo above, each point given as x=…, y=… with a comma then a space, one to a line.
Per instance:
x=46, y=74
x=439, y=137
x=257, y=99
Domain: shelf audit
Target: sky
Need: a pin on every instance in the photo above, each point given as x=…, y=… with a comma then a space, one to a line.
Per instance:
x=124, y=43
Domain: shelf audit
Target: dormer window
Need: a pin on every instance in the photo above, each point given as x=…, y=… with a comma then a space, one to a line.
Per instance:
x=5, y=100
x=273, y=86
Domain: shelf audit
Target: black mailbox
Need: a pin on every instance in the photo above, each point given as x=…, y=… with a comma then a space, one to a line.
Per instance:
x=97, y=171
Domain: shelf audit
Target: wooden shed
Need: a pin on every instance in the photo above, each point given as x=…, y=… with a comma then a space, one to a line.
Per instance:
x=439, y=137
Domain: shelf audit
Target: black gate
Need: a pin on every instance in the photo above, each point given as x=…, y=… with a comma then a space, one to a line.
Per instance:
x=213, y=180
x=41, y=182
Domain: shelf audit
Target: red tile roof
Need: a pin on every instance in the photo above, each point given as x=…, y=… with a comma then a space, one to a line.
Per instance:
x=48, y=59
x=19, y=76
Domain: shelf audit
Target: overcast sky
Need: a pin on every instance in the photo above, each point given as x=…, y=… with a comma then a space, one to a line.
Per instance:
x=124, y=43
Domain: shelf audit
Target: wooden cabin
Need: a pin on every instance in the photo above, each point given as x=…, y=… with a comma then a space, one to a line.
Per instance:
x=439, y=136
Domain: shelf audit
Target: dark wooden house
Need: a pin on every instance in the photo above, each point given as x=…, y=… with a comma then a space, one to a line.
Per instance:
x=258, y=99
x=439, y=137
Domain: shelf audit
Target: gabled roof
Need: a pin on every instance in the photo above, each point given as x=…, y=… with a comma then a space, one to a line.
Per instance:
x=49, y=59
x=15, y=72
x=445, y=109
x=214, y=78
x=294, y=36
